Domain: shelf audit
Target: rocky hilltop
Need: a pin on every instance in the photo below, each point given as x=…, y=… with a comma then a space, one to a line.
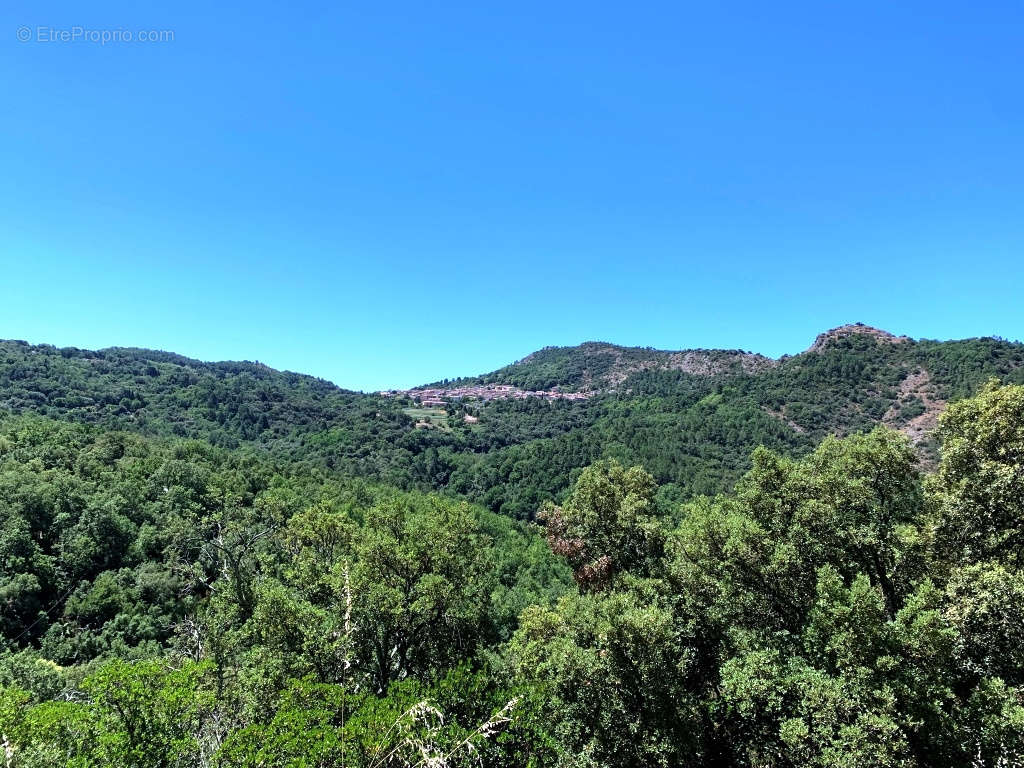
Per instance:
x=852, y=329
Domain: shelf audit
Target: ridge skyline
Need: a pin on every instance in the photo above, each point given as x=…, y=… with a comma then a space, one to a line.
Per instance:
x=842, y=329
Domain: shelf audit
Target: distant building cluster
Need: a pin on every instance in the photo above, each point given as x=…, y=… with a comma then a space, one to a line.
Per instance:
x=439, y=396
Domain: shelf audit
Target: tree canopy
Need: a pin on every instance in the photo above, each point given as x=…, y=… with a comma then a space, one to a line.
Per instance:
x=851, y=600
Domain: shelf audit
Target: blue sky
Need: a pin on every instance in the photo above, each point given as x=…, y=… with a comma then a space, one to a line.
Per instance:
x=384, y=194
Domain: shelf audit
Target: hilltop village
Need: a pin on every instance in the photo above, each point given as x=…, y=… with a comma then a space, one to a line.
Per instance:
x=439, y=396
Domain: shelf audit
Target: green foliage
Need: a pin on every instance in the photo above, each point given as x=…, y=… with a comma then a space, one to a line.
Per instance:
x=606, y=526
x=422, y=588
x=136, y=715
x=613, y=676
x=979, y=486
x=240, y=598
x=804, y=620
x=689, y=418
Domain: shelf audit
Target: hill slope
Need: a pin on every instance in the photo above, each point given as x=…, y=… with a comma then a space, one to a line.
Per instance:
x=596, y=365
x=690, y=417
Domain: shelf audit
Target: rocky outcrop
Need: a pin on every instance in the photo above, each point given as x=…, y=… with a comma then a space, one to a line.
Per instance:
x=916, y=389
x=855, y=329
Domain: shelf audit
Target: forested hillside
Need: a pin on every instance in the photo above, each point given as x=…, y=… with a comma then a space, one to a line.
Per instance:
x=598, y=365
x=168, y=602
x=691, y=418
x=765, y=542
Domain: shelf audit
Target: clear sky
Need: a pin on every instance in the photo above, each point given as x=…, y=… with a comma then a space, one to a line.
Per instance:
x=384, y=194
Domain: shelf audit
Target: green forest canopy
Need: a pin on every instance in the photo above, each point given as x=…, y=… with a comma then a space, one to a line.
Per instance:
x=694, y=432
x=336, y=589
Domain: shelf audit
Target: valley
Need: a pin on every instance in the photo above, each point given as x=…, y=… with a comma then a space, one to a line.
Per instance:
x=236, y=566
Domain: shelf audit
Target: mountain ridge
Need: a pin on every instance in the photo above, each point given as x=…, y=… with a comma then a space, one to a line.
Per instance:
x=691, y=419
x=697, y=360
x=603, y=365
